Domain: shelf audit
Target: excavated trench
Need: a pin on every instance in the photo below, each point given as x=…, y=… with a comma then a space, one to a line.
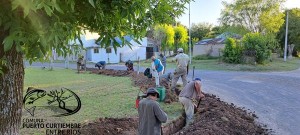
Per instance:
x=212, y=117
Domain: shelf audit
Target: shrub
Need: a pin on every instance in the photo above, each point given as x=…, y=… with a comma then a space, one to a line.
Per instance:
x=204, y=57
x=232, y=51
x=258, y=43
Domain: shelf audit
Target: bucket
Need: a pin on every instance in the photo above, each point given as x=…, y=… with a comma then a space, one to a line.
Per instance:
x=137, y=101
x=162, y=93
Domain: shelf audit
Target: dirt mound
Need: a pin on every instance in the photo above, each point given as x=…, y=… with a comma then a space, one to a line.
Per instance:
x=215, y=117
x=139, y=80
x=111, y=126
x=111, y=72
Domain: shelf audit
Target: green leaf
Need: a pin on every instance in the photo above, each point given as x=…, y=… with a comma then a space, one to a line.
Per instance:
x=8, y=42
x=18, y=48
x=48, y=10
x=57, y=7
x=92, y=3
x=15, y=4
x=26, y=11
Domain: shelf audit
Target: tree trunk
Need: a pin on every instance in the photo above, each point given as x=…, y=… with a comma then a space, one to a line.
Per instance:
x=11, y=89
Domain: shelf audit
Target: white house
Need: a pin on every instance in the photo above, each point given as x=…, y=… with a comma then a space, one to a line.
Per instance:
x=94, y=53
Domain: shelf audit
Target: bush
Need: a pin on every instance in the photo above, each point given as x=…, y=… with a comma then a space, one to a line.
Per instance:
x=232, y=51
x=259, y=44
x=204, y=57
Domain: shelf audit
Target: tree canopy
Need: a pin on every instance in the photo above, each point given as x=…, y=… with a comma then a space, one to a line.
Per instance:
x=181, y=37
x=293, y=29
x=201, y=30
x=37, y=26
x=254, y=15
x=34, y=28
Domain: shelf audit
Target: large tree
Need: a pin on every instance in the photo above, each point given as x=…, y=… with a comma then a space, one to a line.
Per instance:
x=201, y=30
x=293, y=29
x=254, y=15
x=31, y=29
x=181, y=37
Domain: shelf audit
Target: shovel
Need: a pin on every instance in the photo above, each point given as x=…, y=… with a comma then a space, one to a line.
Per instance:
x=196, y=107
x=199, y=103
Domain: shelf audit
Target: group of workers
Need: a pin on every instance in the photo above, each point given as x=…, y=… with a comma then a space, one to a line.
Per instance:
x=150, y=113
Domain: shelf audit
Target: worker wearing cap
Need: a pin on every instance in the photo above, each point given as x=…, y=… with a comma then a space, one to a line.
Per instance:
x=181, y=70
x=150, y=114
x=190, y=91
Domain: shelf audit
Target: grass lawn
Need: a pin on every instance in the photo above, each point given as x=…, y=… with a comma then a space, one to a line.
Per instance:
x=216, y=64
x=101, y=96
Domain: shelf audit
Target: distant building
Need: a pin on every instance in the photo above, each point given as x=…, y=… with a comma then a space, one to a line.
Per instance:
x=213, y=46
x=94, y=53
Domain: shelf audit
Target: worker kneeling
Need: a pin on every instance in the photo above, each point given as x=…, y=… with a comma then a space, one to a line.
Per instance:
x=150, y=114
x=190, y=91
x=100, y=65
x=129, y=65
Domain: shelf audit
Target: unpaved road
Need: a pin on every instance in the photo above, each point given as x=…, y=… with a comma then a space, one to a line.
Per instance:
x=274, y=96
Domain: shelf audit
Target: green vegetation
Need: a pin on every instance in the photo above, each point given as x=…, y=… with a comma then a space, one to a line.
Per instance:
x=253, y=15
x=169, y=37
x=204, y=57
x=215, y=63
x=34, y=29
x=293, y=32
x=232, y=51
x=101, y=96
x=277, y=64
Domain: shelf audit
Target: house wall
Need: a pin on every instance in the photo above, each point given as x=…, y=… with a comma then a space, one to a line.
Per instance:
x=123, y=54
x=103, y=56
x=209, y=49
x=136, y=51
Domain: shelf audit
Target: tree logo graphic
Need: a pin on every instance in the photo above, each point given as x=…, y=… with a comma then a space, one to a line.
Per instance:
x=61, y=102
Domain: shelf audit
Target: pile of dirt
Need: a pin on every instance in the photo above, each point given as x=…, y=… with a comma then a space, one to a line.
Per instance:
x=111, y=126
x=214, y=117
x=139, y=80
x=217, y=117
x=110, y=72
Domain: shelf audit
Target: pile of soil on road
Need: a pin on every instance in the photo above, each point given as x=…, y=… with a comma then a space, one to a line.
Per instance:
x=215, y=117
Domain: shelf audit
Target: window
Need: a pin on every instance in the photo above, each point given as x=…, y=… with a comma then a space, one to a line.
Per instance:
x=96, y=50
x=108, y=50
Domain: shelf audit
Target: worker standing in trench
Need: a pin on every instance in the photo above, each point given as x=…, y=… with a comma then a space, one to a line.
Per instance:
x=190, y=91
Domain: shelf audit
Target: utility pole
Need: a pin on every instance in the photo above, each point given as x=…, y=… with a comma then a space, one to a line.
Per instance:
x=286, y=35
x=190, y=49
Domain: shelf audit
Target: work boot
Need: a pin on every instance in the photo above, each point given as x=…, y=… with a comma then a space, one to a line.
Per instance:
x=188, y=123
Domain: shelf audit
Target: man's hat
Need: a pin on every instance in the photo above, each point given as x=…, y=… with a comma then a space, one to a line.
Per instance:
x=152, y=91
x=180, y=50
x=197, y=79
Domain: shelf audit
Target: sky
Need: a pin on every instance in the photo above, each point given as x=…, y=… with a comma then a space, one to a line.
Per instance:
x=209, y=11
